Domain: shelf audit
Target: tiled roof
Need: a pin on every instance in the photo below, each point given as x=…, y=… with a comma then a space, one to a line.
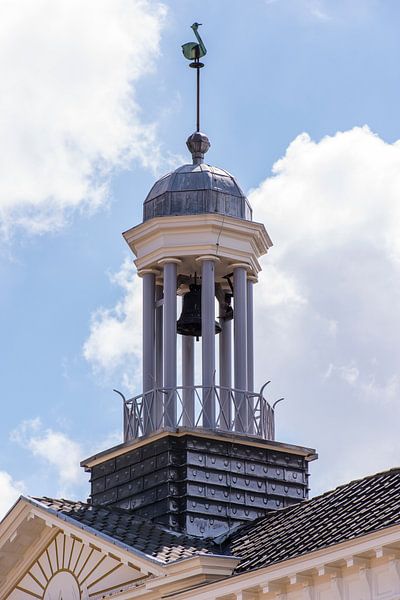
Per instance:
x=347, y=512
x=153, y=540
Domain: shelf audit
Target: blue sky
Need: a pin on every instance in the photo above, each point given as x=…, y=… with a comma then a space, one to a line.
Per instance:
x=98, y=103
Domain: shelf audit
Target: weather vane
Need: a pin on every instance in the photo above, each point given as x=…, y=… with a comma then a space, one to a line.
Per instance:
x=194, y=52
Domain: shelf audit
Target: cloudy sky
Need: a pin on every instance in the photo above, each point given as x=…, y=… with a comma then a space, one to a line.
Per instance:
x=301, y=102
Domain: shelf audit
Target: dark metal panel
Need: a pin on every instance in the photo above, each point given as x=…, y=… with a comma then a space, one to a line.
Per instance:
x=243, y=451
x=117, y=478
x=219, y=477
x=130, y=489
x=98, y=485
x=103, y=469
x=128, y=459
x=248, y=483
x=296, y=476
x=199, y=485
x=105, y=498
x=256, y=469
x=286, y=459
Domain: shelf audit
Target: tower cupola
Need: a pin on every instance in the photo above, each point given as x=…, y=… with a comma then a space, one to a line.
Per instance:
x=197, y=188
x=199, y=451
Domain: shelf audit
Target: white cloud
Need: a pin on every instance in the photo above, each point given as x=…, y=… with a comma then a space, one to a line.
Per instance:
x=10, y=491
x=327, y=303
x=348, y=373
x=324, y=194
x=68, y=109
x=283, y=288
x=387, y=392
x=56, y=449
x=56, y=457
x=317, y=10
x=114, y=344
x=332, y=210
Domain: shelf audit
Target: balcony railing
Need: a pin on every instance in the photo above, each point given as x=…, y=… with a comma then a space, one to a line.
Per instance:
x=215, y=408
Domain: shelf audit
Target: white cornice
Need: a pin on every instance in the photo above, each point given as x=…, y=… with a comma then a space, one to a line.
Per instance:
x=187, y=237
x=327, y=562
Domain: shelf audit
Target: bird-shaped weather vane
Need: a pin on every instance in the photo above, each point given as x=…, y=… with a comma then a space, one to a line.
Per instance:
x=194, y=51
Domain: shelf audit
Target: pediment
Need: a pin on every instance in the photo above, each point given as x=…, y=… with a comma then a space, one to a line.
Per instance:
x=70, y=568
x=45, y=558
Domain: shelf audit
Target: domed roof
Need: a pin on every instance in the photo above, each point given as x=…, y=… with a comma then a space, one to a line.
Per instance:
x=196, y=189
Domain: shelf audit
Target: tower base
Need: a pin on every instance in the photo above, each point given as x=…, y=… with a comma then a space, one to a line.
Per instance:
x=200, y=482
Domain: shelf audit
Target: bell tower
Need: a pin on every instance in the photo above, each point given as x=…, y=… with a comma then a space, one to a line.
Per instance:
x=199, y=452
x=197, y=240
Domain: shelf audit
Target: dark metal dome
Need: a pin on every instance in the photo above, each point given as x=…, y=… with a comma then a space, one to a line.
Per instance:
x=196, y=189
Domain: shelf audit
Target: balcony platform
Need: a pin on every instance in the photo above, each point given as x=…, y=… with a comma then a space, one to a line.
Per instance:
x=233, y=410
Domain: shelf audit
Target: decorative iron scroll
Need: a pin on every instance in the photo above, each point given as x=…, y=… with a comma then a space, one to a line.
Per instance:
x=235, y=410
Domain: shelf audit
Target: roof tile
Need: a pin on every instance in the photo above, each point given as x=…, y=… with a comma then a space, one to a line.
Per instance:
x=151, y=539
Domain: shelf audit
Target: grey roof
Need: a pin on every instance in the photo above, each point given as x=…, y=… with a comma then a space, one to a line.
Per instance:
x=196, y=189
x=347, y=512
x=155, y=541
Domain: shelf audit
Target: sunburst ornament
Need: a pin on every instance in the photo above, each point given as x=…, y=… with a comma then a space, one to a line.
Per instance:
x=70, y=569
x=61, y=584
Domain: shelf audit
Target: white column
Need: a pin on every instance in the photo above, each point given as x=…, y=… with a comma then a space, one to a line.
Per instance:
x=170, y=275
x=158, y=408
x=208, y=337
x=250, y=333
x=148, y=347
x=225, y=370
x=188, y=380
x=250, y=352
x=240, y=343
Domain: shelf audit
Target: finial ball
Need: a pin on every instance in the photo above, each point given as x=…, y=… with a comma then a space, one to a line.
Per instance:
x=198, y=144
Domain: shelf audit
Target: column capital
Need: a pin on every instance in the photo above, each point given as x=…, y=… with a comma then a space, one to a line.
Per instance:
x=204, y=257
x=253, y=278
x=241, y=265
x=143, y=272
x=169, y=260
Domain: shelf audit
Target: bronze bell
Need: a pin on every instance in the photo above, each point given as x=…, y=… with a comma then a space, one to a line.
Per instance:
x=189, y=323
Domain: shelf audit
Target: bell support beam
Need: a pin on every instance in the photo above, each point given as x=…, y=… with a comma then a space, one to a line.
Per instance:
x=188, y=418
x=148, y=345
x=208, y=337
x=225, y=369
x=240, y=343
x=170, y=275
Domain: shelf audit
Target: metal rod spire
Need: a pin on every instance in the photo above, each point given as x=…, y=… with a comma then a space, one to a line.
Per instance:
x=198, y=101
x=194, y=51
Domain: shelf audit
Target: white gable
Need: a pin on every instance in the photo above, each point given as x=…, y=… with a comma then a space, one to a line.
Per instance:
x=47, y=555
x=42, y=556
x=69, y=568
